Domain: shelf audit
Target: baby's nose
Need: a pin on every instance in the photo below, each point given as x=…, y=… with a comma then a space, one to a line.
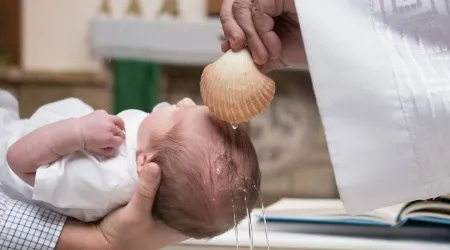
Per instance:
x=186, y=102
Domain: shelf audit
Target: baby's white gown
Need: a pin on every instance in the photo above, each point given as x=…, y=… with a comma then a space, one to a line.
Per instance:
x=79, y=185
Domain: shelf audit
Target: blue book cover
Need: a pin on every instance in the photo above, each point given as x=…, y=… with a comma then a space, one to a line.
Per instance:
x=331, y=211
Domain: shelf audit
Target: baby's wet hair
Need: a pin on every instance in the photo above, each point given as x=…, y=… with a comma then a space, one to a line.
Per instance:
x=207, y=184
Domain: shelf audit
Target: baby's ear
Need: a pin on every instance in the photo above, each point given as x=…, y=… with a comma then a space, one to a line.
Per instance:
x=143, y=158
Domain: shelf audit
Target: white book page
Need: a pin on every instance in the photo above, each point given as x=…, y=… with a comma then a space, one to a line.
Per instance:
x=289, y=208
x=439, y=210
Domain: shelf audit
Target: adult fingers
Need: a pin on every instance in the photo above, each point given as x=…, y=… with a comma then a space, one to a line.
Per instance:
x=242, y=12
x=144, y=196
x=225, y=46
x=271, y=65
x=232, y=31
x=262, y=14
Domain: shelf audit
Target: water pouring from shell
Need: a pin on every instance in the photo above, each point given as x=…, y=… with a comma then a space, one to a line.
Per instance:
x=250, y=225
x=264, y=217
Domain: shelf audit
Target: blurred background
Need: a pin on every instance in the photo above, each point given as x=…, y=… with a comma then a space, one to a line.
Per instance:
x=122, y=54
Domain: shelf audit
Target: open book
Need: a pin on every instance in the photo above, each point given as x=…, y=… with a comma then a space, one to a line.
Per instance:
x=436, y=211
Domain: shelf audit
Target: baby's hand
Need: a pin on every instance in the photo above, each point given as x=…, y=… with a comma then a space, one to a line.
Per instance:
x=102, y=133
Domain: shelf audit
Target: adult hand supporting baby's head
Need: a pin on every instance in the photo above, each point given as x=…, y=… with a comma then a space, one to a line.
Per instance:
x=132, y=227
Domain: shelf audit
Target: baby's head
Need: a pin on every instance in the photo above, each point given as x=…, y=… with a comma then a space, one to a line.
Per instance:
x=210, y=171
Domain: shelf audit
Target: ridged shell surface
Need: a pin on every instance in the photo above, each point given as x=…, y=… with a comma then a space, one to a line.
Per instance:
x=234, y=89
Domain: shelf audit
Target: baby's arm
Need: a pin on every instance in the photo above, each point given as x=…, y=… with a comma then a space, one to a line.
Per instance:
x=97, y=132
x=42, y=146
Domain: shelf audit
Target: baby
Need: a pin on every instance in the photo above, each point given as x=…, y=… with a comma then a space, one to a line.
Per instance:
x=85, y=163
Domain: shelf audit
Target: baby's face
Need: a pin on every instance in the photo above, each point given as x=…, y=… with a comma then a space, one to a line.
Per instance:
x=194, y=120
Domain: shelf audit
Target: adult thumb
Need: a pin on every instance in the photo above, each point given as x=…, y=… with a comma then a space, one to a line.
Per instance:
x=146, y=189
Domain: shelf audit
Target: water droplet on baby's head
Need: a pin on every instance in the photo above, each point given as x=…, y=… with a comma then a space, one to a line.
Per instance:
x=234, y=125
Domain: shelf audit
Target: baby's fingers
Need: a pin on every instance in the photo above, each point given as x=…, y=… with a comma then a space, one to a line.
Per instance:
x=108, y=152
x=117, y=131
x=111, y=147
x=118, y=122
x=115, y=141
x=109, y=141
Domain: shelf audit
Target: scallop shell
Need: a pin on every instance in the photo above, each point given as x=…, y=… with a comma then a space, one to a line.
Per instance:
x=234, y=89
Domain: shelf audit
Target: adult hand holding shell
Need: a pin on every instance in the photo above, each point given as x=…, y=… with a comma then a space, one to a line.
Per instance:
x=269, y=28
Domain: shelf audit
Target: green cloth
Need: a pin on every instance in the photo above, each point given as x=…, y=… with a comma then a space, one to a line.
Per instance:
x=136, y=85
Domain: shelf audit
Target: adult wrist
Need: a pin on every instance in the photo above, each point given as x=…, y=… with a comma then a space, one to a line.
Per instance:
x=80, y=235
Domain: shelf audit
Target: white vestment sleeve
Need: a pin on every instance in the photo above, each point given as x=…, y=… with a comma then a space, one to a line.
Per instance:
x=381, y=74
